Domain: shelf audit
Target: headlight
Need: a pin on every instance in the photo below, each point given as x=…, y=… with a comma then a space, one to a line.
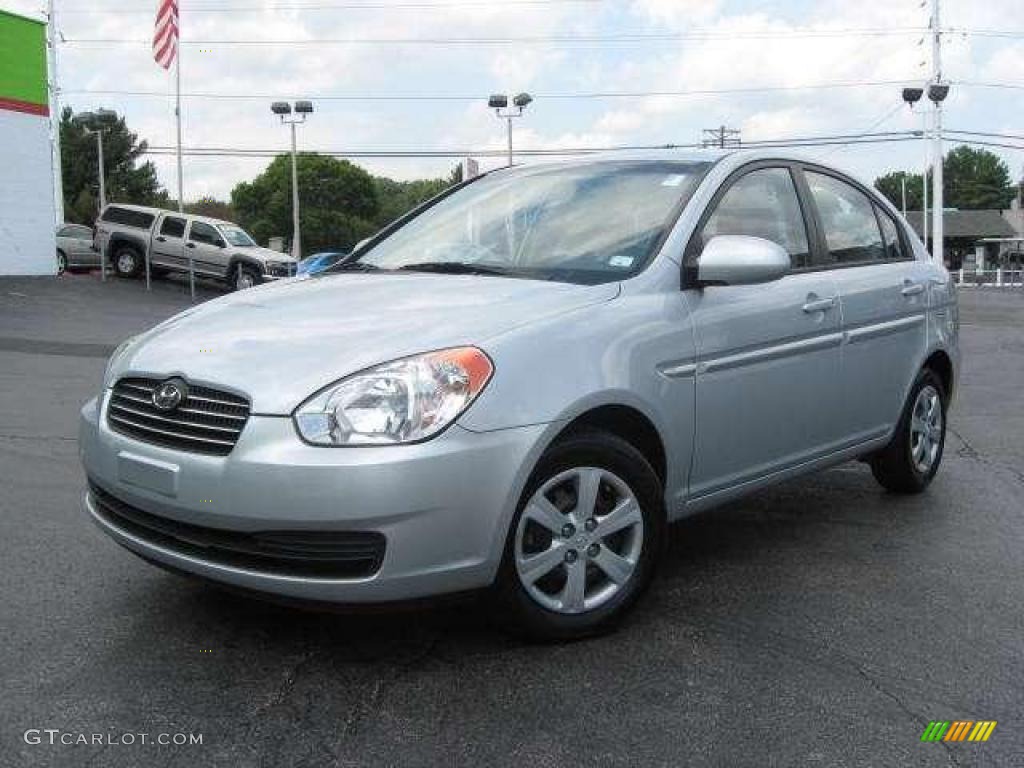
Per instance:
x=404, y=401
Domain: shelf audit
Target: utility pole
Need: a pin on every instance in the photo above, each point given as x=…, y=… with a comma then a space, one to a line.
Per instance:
x=903, y=184
x=937, y=92
x=499, y=103
x=290, y=117
x=721, y=137
x=51, y=54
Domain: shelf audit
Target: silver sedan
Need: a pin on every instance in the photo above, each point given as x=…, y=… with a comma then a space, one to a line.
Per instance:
x=519, y=386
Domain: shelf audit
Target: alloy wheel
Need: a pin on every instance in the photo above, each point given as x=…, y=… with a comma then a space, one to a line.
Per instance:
x=926, y=429
x=126, y=262
x=578, y=540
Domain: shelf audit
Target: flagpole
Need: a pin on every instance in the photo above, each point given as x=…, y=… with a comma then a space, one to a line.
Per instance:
x=177, y=115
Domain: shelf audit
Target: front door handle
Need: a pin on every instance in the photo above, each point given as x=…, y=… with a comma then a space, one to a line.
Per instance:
x=912, y=289
x=161, y=239
x=190, y=245
x=819, y=305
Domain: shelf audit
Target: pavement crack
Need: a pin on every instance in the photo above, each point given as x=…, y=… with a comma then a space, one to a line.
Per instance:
x=284, y=691
x=968, y=451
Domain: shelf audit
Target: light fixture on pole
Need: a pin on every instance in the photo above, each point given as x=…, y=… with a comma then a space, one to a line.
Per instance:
x=912, y=96
x=285, y=111
x=93, y=124
x=499, y=103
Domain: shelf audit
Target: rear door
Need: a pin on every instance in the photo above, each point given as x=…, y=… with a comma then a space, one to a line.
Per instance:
x=884, y=295
x=169, y=242
x=768, y=355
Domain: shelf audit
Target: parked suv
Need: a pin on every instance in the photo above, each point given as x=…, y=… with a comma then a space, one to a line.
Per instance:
x=217, y=249
x=75, y=248
x=518, y=385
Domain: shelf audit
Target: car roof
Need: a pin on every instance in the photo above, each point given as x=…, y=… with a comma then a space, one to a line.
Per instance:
x=158, y=211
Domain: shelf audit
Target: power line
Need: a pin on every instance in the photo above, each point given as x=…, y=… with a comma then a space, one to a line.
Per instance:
x=631, y=37
x=1018, y=136
x=977, y=84
x=478, y=97
x=810, y=141
x=326, y=6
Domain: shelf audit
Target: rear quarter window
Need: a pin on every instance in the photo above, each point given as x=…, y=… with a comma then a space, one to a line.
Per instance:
x=128, y=217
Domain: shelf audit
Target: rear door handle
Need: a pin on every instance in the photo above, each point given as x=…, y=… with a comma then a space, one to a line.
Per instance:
x=819, y=305
x=190, y=245
x=161, y=239
x=912, y=289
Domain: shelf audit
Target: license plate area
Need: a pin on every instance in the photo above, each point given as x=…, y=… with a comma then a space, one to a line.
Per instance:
x=149, y=474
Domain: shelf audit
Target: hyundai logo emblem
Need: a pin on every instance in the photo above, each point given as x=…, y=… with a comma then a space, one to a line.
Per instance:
x=169, y=395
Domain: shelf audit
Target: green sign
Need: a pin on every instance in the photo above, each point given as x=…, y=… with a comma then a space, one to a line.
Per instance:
x=23, y=65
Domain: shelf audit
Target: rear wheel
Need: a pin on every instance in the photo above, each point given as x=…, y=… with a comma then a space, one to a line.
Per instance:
x=910, y=461
x=585, y=539
x=127, y=261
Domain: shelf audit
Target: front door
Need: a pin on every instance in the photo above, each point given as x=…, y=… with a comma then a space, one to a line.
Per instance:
x=205, y=247
x=768, y=359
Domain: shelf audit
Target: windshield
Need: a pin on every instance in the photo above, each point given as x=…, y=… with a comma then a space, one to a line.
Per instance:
x=588, y=223
x=237, y=236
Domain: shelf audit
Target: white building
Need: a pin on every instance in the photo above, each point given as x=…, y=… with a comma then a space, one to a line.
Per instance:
x=27, y=218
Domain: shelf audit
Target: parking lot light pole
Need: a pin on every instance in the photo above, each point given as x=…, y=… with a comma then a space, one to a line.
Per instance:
x=499, y=103
x=284, y=110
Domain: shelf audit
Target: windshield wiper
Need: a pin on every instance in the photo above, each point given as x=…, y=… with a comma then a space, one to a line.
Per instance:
x=454, y=268
x=354, y=266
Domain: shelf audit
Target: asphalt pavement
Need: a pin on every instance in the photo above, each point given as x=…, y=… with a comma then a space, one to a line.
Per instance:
x=821, y=622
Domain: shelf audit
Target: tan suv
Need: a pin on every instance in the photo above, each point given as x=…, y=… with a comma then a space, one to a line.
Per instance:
x=125, y=234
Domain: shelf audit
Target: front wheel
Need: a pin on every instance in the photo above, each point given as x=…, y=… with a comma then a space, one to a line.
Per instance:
x=243, y=277
x=62, y=263
x=910, y=461
x=585, y=539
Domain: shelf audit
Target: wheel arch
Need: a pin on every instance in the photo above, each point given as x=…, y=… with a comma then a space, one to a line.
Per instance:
x=941, y=363
x=628, y=423
x=237, y=258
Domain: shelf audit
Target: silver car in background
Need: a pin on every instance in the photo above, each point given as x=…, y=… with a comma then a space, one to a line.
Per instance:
x=519, y=386
x=74, y=248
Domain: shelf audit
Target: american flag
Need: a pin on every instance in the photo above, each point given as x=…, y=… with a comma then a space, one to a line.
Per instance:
x=165, y=34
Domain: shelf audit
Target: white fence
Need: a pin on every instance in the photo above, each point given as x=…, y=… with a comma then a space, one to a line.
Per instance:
x=990, y=278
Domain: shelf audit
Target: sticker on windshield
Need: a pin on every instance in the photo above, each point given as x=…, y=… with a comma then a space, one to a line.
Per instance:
x=674, y=180
x=624, y=262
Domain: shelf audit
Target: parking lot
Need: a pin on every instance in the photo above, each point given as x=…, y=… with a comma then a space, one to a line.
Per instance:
x=821, y=622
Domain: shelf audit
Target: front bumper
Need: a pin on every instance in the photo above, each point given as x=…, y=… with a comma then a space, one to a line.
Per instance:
x=443, y=506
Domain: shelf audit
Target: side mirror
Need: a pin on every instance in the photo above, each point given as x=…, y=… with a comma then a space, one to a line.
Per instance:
x=221, y=244
x=741, y=260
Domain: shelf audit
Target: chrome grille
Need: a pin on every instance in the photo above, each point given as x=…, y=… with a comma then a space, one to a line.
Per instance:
x=207, y=421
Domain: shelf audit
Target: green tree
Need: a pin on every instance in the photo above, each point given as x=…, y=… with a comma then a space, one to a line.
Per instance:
x=891, y=185
x=976, y=179
x=127, y=180
x=212, y=207
x=973, y=179
x=338, y=201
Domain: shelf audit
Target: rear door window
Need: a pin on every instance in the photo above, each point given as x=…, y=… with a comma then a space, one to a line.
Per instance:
x=890, y=237
x=848, y=220
x=172, y=227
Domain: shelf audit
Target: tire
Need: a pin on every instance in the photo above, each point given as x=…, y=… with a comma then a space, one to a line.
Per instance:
x=243, y=277
x=62, y=263
x=548, y=604
x=910, y=461
x=128, y=262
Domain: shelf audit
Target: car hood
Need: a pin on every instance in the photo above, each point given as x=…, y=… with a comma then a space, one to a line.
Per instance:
x=266, y=254
x=281, y=343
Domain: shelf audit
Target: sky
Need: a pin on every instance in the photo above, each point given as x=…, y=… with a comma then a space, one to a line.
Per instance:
x=773, y=48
